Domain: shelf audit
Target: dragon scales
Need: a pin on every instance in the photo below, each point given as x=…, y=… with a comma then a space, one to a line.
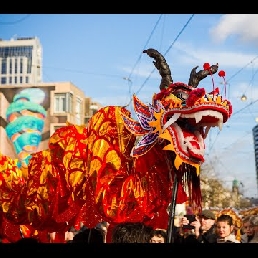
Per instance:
x=118, y=169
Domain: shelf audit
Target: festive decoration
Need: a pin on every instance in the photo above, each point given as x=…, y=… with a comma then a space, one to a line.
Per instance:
x=248, y=212
x=118, y=169
x=223, y=74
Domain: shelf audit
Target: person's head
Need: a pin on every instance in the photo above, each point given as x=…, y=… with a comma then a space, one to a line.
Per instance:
x=254, y=223
x=248, y=227
x=103, y=227
x=131, y=232
x=224, y=225
x=207, y=220
x=159, y=236
x=89, y=235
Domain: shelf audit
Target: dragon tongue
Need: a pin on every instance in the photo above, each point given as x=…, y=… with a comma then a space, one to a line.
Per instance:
x=190, y=138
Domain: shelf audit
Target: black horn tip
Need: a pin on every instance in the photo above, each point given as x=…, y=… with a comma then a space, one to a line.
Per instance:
x=150, y=51
x=194, y=69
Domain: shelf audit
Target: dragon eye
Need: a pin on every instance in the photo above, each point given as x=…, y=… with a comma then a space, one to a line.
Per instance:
x=181, y=95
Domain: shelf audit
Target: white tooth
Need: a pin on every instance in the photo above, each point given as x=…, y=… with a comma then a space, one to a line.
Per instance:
x=171, y=120
x=207, y=129
x=187, y=115
x=198, y=117
x=220, y=124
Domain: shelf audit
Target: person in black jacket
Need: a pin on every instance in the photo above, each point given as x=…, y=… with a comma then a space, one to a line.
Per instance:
x=203, y=229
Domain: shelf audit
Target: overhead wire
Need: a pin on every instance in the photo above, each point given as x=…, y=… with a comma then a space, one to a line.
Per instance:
x=83, y=72
x=138, y=60
x=178, y=35
x=240, y=70
x=240, y=110
x=251, y=81
x=15, y=22
x=162, y=33
x=251, y=103
x=146, y=44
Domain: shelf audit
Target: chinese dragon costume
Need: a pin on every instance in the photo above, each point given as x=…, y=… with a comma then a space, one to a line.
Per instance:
x=117, y=169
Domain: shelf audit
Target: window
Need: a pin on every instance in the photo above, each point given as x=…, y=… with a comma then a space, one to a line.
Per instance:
x=29, y=64
x=59, y=104
x=21, y=65
x=3, y=80
x=4, y=66
x=15, y=66
x=11, y=66
x=20, y=79
x=15, y=79
x=63, y=102
x=27, y=79
x=10, y=80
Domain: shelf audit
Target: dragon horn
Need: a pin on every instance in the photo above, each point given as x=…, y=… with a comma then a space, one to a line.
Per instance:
x=195, y=78
x=162, y=66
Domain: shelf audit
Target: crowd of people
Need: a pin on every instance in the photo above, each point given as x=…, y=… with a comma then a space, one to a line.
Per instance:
x=206, y=227
x=228, y=227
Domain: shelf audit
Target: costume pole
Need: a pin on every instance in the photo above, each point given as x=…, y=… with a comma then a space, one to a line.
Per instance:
x=170, y=230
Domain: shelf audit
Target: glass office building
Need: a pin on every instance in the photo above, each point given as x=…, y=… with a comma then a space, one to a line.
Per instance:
x=255, y=140
x=20, y=61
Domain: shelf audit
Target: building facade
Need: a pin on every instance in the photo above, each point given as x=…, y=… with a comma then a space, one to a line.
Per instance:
x=20, y=61
x=30, y=114
x=255, y=140
x=31, y=110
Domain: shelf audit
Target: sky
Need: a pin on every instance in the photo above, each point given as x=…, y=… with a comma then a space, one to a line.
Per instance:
x=102, y=54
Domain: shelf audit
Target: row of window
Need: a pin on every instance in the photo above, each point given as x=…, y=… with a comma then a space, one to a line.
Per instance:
x=14, y=51
x=10, y=53
x=22, y=62
x=14, y=80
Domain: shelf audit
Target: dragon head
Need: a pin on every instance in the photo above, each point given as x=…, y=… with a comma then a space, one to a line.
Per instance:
x=180, y=113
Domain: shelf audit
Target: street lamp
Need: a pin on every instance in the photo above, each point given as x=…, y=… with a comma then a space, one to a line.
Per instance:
x=243, y=97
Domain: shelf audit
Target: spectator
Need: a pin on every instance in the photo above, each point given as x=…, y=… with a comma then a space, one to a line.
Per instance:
x=159, y=236
x=131, y=232
x=69, y=235
x=225, y=229
x=254, y=222
x=103, y=226
x=88, y=235
x=203, y=229
x=247, y=230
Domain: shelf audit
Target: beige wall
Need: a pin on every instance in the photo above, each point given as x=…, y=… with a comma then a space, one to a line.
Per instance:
x=53, y=120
